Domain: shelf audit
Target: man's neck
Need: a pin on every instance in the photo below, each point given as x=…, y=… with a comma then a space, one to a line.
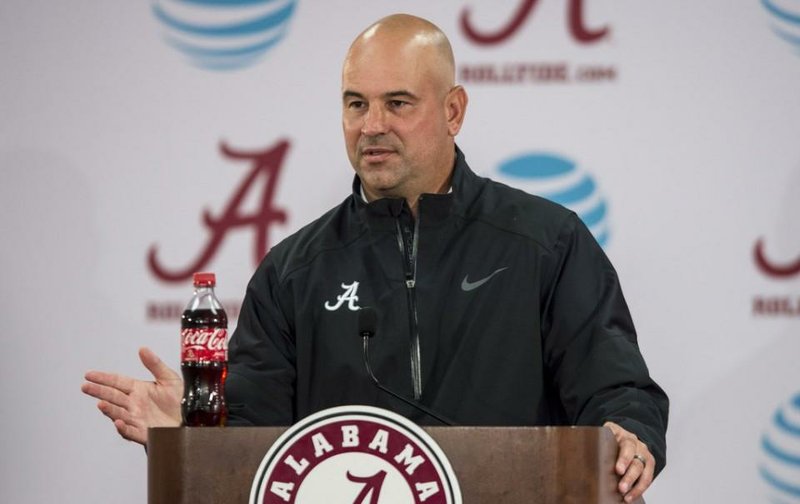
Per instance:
x=413, y=201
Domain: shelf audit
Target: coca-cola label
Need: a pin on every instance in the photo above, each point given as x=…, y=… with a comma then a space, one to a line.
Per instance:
x=204, y=345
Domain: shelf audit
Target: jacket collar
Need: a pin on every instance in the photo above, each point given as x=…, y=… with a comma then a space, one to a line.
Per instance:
x=433, y=208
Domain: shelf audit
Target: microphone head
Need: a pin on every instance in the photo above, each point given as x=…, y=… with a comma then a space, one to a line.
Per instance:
x=367, y=321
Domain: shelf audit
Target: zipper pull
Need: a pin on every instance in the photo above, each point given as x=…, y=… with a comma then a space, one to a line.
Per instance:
x=411, y=283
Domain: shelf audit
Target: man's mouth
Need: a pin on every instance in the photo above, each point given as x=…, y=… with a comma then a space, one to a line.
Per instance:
x=375, y=154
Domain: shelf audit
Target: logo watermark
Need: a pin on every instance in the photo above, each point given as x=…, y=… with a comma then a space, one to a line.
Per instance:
x=265, y=165
x=576, y=24
x=552, y=71
x=780, y=447
x=562, y=181
x=785, y=20
x=224, y=34
x=781, y=271
x=263, y=176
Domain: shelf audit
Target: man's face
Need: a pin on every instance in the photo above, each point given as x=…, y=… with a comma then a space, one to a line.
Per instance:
x=395, y=120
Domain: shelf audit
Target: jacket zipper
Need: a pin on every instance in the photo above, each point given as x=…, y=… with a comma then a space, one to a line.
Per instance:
x=409, y=253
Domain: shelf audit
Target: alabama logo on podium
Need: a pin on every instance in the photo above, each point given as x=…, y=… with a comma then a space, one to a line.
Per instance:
x=358, y=455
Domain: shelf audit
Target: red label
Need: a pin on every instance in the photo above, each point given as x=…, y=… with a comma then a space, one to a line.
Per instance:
x=204, y=345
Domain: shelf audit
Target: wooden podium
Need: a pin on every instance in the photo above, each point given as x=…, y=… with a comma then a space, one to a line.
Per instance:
x=497, y=465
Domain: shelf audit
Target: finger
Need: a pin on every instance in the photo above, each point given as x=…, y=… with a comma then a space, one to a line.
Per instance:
x=637, y=474
x=632, y=474
x=627, y=449
x=615, y=429
x=104, y=393
x=644, y=481
x=628, y=445
x=130, y=432
x=160, y=371
x=123, y=383
x=113, y=412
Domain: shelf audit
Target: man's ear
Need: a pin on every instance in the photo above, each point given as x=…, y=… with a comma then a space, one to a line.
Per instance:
x=456, y=107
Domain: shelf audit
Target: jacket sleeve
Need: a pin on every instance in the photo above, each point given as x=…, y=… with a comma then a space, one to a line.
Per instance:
x=261, y=371
x=590, y=347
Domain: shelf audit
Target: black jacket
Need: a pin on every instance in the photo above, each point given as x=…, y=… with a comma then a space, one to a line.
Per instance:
x=495, y=308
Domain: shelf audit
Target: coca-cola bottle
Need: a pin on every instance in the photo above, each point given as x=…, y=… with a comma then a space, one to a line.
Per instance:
x=204, y=356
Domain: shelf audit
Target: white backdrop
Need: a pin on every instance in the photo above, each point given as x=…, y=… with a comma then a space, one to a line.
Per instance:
x=110, y=142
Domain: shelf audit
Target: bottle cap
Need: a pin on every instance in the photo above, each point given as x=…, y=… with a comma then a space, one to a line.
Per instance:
x=205, y=280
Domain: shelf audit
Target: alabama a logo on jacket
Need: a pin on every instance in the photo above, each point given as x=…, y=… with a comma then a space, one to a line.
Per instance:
x=350, y=297
x=358, y=455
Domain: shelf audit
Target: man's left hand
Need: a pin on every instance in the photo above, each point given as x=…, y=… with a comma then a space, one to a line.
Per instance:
x=635, y=464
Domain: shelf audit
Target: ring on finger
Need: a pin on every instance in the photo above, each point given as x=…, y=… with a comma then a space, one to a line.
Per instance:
x=640, y=459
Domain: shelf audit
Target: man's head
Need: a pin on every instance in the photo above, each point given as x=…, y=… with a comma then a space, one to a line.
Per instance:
x=401, y=108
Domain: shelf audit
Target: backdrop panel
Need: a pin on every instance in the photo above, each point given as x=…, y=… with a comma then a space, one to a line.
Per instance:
x=123, y=123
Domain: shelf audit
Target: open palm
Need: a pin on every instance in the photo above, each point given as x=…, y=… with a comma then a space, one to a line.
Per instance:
x=136, y=405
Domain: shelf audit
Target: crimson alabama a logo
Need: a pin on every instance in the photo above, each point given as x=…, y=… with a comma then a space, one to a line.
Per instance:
x=358, y=455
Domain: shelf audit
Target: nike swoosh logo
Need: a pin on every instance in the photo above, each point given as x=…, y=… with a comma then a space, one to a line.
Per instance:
x=467, y=286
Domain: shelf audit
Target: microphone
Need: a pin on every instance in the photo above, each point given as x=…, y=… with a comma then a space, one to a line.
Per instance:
x=367, y=322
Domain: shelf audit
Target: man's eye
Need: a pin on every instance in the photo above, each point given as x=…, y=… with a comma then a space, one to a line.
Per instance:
x=355, y=105
x=397, y=104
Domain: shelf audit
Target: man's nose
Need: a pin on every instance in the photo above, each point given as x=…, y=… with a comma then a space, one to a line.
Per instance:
x=374, y=122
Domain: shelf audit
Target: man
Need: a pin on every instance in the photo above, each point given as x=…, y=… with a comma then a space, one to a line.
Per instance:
x=495, y=307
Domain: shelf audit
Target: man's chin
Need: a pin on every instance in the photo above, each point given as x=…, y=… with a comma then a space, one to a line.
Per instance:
x=377, y=172
x=379, y=186
x=383, y=187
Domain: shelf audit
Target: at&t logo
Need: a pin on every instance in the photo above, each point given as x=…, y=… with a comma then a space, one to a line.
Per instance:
x=785, y=23
x=224, y=34
x=560, y=180
x=780, y=446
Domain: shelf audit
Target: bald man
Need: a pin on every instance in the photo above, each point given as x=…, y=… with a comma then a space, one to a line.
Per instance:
x=401, y=109
x=495, y=307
